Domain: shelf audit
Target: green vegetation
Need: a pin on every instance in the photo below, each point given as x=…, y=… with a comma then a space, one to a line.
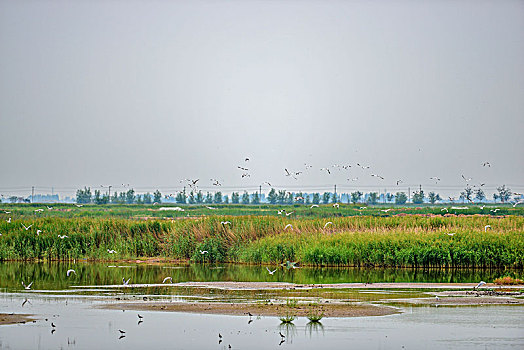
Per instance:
x=407, y=241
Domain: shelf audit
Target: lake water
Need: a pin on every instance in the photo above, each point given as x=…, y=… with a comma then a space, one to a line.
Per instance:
x=80, y=325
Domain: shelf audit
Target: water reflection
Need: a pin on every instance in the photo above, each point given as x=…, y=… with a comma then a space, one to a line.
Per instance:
x=314, y=327
x=52, y=275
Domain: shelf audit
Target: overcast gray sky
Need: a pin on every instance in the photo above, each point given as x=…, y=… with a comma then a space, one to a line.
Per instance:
x=152, y=92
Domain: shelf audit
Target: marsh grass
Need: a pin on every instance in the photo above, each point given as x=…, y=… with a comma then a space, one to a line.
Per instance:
x=407, y=241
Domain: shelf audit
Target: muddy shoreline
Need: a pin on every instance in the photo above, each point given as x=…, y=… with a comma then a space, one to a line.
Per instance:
x=6, y=319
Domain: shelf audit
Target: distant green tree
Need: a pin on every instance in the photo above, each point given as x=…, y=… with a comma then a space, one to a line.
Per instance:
x=191, y=198
x=480, y=195
x=121, y=198
x=281, y=197
x=13, y=199
x=218, y=198
x=316, y=198
x=272, y=196
x=245, y=198
x=325, y=197
x=235, y=198
x=390, y=197
x=180, y=197
x=84, y=196
x=255, y=198
x=226, y=199
x=334, y=198
x=401, y=198
x=467, y=194
x=418, y=197
x=199, y=197
x=147, y=198
x=130, y=196
x=290, y=198
x=307, y=198
x=504, y=193
x=157, y=197
x=98, y=198
x=433, y=197
x=209, y=198
x=114, y=199
x=138, y=199
x=373, y=197
x=355, y=196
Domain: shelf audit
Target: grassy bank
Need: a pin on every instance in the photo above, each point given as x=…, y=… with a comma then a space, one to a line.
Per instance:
x=416, y=241
x=25, y=211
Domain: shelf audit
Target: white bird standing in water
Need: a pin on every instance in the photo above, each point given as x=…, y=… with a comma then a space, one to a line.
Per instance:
x=168, y=279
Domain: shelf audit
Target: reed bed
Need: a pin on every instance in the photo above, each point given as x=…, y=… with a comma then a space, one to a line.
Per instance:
x=409, y=241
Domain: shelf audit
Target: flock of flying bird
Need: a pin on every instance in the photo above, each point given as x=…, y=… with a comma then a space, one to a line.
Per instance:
x=245, y=172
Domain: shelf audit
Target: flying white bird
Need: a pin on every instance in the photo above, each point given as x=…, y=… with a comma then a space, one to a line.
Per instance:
x=203, y=252
x=62, y=236
x=486, y=164
x=111, y=251
x=326, y=169
x=49, y=208
x=211, y=208
x=336, y=205
x=168, y=279
x=482, y=207
x=70, y=272
x=354, y=179
x=399, y=182
x=288, y=226
x=225, y=223
x=486, y=227
x=7, y=212
x=363, y=167
x=125, y=283
x=386, y=210
x=314, y=206
x=495, y=210
x=451, y=234
x=287, y=214
x=79, y=205
x=39, y=210
x=362, y=208
x=28, y=286
x=281, y=211
x=38, y=232
x=8, y=220
x=467, y=180
x=481, y=283
x=267, y=183
x=328, y=223
x=271, y=272
x=27, y=227
x=446, y=209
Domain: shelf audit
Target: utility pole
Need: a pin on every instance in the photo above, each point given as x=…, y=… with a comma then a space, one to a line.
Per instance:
x=109, y=200
x=409, y=194
x=32, y=193
x=385, y=195
x=335, y=193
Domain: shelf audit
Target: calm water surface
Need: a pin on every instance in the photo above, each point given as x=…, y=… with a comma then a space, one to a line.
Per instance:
x=80, y=325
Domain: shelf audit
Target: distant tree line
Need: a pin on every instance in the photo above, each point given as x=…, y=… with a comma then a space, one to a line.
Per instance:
x=282, y=197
